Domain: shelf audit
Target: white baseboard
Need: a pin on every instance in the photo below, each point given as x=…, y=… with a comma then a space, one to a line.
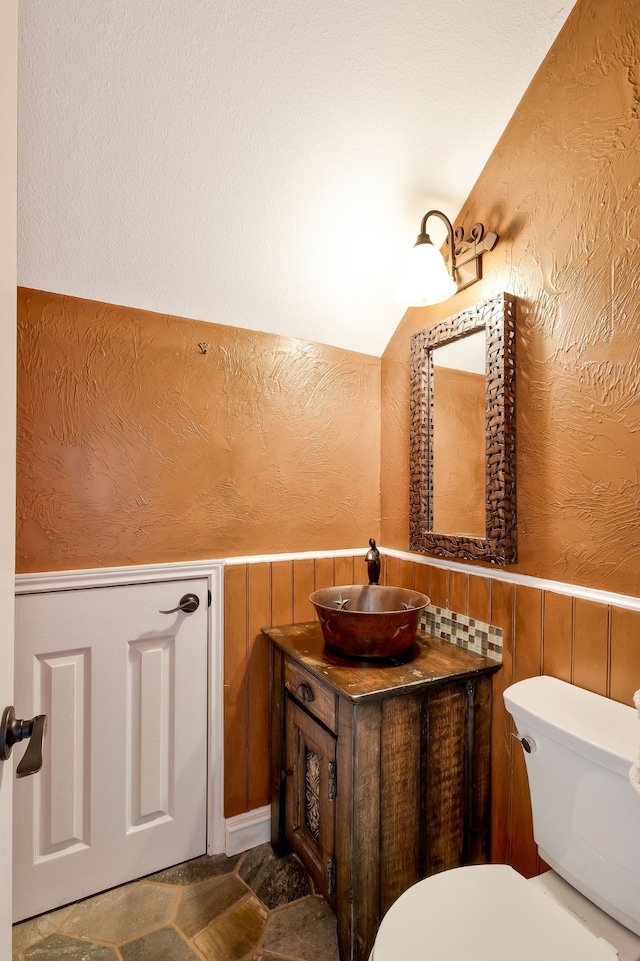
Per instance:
x=246, y=831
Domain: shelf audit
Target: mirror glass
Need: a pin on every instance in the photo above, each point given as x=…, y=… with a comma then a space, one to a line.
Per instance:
x=462, y=445
x=459, y=467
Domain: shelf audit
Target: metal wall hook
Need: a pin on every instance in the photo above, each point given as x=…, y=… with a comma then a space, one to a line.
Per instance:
x=188, y=603
x=13, y=730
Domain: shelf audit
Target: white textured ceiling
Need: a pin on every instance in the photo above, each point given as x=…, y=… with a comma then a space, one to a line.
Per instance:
x=259, y=164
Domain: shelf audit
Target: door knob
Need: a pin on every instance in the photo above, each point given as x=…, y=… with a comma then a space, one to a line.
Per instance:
x=12, y=731
x=188, y=603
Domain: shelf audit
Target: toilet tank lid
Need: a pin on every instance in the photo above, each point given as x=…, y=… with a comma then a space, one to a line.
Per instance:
x=597, y=727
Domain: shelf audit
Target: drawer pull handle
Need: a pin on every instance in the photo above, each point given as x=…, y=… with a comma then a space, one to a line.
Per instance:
x=304, y=692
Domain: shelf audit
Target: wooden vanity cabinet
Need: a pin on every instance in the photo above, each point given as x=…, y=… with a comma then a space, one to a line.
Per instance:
x=379, y=773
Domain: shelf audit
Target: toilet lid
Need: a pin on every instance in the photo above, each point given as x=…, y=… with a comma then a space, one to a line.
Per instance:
x=487, y=912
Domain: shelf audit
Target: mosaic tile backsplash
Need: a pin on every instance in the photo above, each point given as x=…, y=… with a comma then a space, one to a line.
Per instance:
x=463, y=631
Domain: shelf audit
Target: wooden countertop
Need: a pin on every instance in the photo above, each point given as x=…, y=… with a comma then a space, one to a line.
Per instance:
x=434, y=661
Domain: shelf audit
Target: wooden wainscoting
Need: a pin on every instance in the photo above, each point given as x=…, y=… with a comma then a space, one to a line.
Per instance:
x=594, y=645
x=256, y=596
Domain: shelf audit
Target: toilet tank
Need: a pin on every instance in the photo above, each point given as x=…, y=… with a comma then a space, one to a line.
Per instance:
x=586, y=814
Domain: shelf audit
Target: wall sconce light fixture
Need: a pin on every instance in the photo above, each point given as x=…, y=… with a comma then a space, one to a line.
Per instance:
x=427, y=279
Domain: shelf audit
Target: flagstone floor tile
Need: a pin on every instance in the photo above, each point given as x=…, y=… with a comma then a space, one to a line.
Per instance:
x=252, y=907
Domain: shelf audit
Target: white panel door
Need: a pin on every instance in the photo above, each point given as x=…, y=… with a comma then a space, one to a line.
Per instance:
x=8, y=167
x=122, y=791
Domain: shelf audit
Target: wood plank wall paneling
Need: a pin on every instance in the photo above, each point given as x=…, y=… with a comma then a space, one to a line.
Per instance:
x=344, y=571
x=502, y=601
x=439, y=587
x=479, y=603
x=236, y=674
x=256, y=596
x=625, y=654
x=258, y=613
x=458, y=592
x=324, y=573
x=558, y=636
x=399, y=573
x=590, y=644
x=281, y=594
x=423, y=579
x=527, y=662
x=303, y=585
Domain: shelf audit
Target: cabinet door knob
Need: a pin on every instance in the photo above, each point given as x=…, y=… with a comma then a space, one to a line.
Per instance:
x=304, y=692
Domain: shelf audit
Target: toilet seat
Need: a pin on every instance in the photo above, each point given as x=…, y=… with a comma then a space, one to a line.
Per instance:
x=485, y=912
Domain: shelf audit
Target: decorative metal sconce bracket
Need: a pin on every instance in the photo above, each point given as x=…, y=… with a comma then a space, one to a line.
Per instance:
x=467, y=253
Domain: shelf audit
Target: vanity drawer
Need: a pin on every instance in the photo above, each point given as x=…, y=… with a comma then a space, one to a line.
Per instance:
x=307, y=689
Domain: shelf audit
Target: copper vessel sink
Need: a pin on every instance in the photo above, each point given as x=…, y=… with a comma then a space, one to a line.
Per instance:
x=368, y=621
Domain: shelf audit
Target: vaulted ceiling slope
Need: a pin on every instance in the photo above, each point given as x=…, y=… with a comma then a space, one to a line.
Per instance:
x=258, y=164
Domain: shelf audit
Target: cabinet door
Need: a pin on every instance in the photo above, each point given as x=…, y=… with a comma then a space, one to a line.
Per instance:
x=310, y=752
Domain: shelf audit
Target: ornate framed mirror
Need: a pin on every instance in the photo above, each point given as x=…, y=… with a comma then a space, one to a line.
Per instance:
x=462, y=448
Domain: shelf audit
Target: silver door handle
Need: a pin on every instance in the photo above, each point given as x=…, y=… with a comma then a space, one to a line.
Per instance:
x=12, y=731
x=188, y=603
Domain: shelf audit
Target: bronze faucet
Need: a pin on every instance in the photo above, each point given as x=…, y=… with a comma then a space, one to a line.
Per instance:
x=373, y=562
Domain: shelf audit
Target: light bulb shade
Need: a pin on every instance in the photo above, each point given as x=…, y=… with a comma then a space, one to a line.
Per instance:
x=426, y=279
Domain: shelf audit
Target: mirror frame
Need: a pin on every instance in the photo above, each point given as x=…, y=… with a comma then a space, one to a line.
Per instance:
x=497, y=318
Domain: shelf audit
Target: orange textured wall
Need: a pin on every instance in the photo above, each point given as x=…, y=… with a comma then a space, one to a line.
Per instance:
x=135, y=446
x=562, y=191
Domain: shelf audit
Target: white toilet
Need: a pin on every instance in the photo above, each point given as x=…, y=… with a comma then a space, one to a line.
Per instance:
x=586, y=821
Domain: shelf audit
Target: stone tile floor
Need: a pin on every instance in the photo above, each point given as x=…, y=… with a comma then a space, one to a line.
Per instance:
x=253, y=907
